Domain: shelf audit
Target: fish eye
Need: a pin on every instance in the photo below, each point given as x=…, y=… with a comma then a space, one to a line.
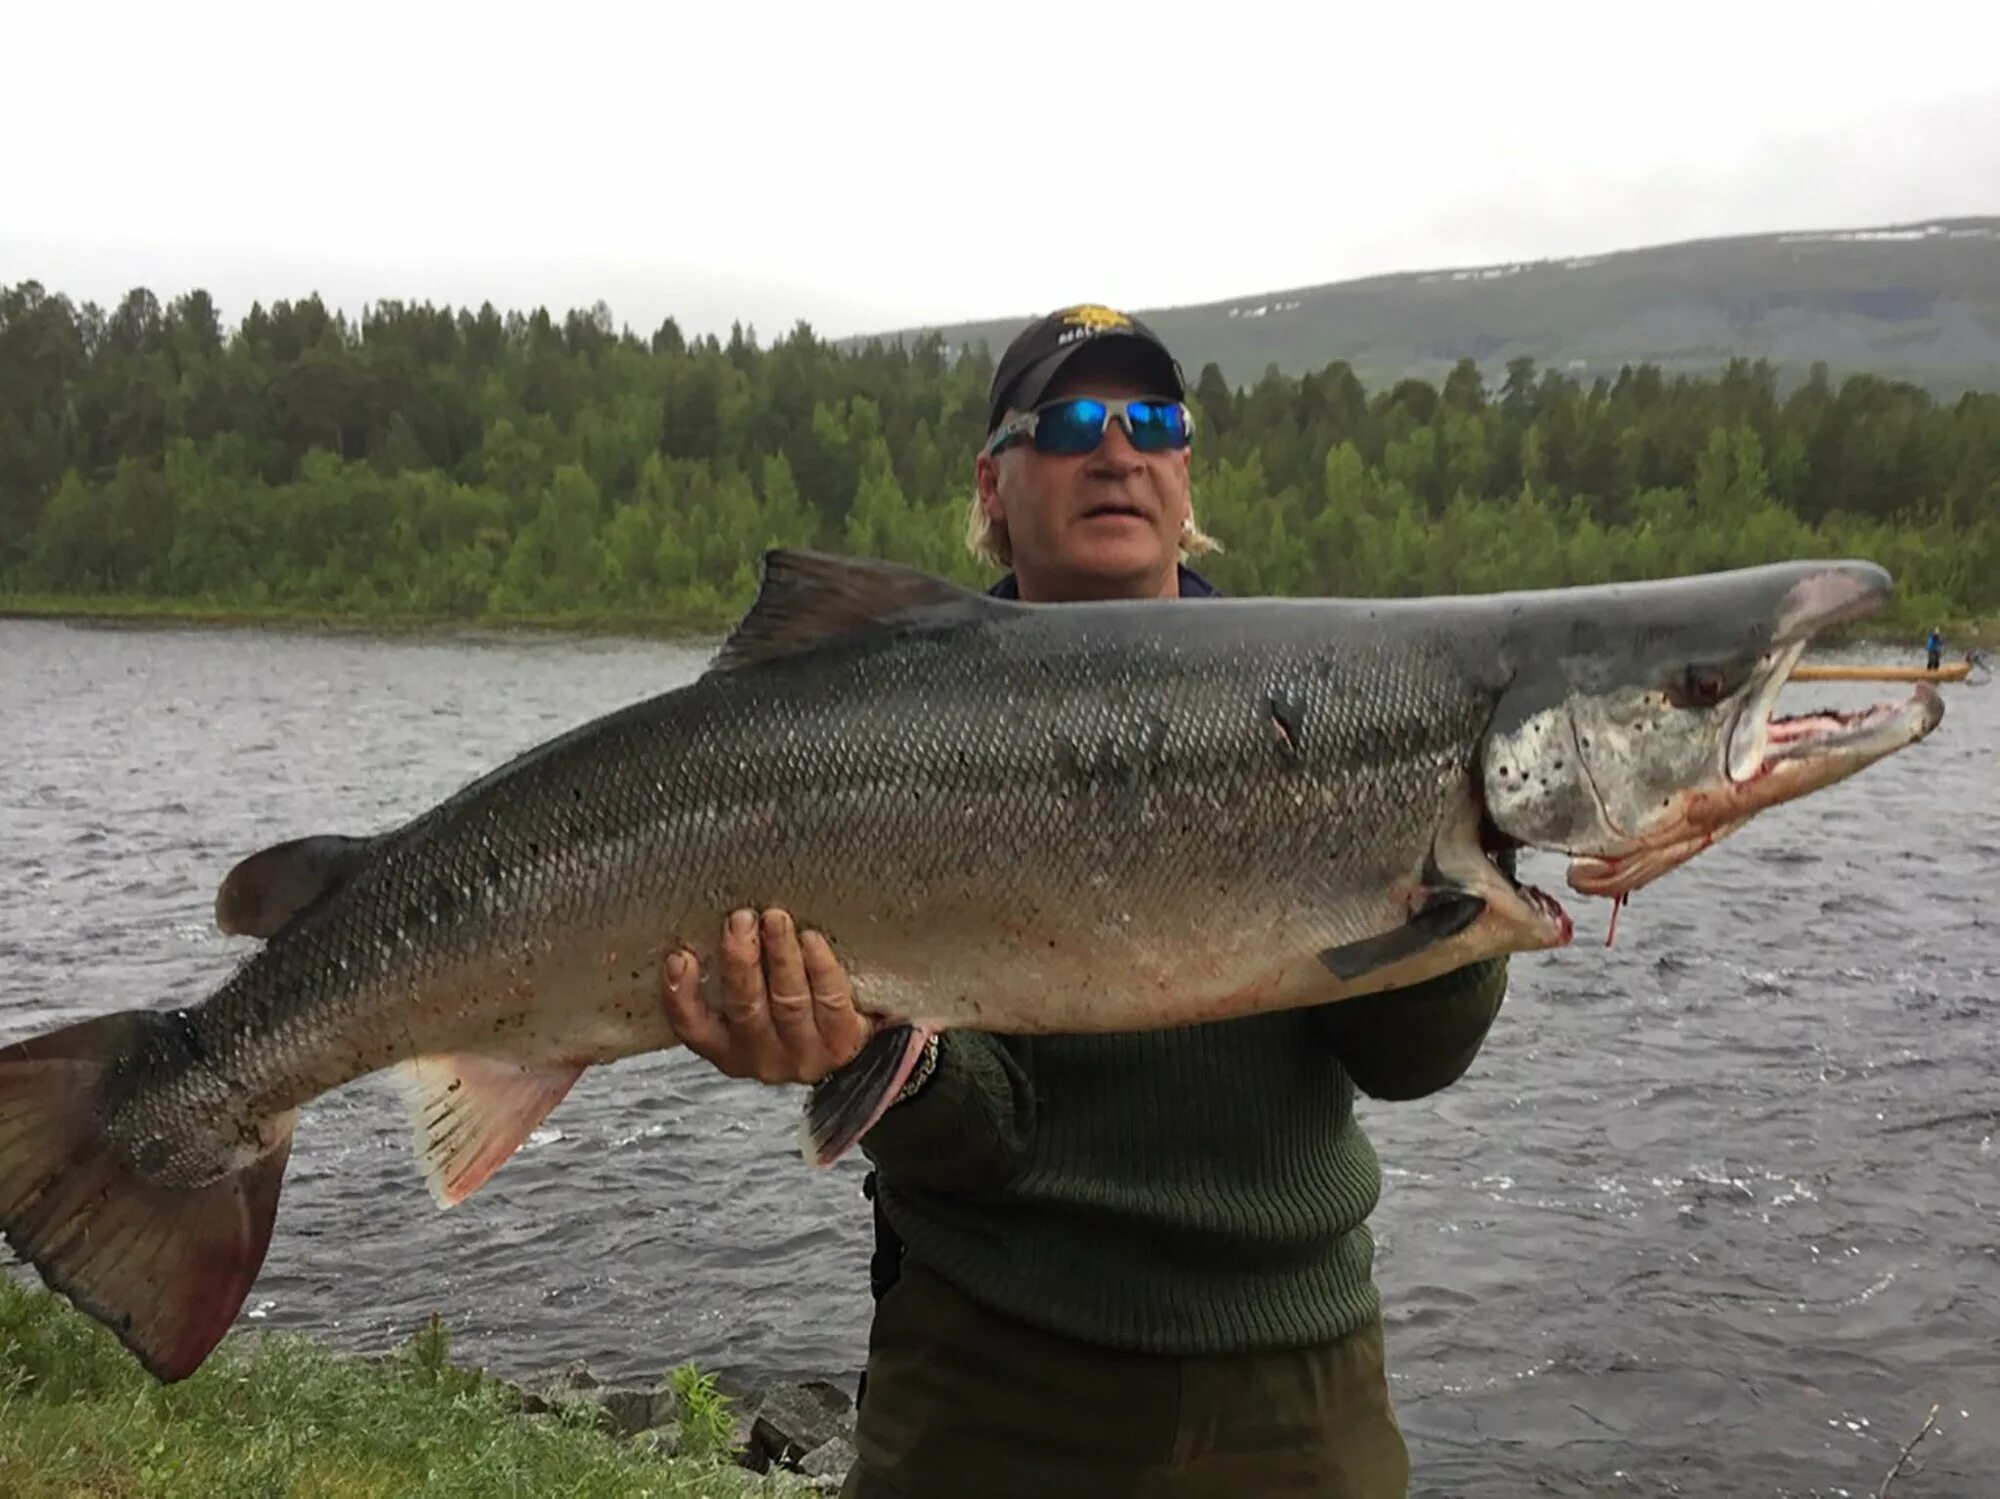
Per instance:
x=1702, y=686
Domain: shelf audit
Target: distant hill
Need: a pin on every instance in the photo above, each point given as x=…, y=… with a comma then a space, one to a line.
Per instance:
x=1919, y=302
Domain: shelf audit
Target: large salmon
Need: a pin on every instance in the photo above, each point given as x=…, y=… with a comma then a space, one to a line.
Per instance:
x=1010, y=817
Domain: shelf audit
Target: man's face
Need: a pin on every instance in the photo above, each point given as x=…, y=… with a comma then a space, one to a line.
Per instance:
x=1103, y=524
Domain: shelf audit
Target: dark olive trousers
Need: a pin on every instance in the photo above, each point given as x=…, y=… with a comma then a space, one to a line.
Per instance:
x=963, y=1404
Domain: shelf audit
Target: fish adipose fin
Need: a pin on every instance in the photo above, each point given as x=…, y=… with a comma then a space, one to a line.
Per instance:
x=165, y=1268
x=471, y=1113
x=1442, y=916
x=261, y=895
x=845, y=1104
x=808, y=599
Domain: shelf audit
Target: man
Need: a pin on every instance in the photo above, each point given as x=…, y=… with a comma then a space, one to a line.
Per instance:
x=1114, y=1265
x=1934, y=648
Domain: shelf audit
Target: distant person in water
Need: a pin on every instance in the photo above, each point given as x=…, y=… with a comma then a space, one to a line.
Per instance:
x=1934, y=647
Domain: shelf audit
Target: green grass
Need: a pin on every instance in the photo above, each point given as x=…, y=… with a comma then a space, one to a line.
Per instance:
x=706, y=1423
x=1961, y=634
x=278, y=1417
x=139, y=609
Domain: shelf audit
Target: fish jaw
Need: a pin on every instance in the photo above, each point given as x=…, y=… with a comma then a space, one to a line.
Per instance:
x=1769, y=760
x=1469, y=855
x=1517, y=918
x=1466, y=859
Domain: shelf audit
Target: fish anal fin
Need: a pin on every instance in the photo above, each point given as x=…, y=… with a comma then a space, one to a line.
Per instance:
x=1436, y=917
x=261, y=895
x=165, y=1268
x=808, y=599
x=845, y=1104
x=471, y=1113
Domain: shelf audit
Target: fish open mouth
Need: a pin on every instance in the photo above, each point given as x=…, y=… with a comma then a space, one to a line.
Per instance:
x=1837, y=731
x=1761, y=740
x=1769, y=758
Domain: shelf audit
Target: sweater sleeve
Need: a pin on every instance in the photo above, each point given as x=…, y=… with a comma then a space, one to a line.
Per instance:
x=970, y=1125
x=1409, y=1043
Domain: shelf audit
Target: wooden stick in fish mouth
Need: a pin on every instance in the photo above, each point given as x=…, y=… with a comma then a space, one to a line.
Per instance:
x=1791, y=756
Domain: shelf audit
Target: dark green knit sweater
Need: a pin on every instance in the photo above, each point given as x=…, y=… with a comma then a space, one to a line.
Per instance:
x=1188, y=1191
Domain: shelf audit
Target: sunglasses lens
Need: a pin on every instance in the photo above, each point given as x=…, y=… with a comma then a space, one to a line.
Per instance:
x=1069, y=426
x=1158, y=426
x=1077, y=426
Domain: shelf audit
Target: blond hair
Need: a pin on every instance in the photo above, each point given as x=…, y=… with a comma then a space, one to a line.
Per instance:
x=988, y=541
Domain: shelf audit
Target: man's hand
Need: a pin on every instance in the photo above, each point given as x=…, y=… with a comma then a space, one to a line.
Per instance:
x=787, y=1012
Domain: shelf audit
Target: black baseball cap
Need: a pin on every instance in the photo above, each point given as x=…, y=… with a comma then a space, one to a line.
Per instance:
x=1040, y=350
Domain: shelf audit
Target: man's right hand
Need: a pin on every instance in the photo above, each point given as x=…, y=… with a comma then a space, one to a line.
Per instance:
x=787, y=1011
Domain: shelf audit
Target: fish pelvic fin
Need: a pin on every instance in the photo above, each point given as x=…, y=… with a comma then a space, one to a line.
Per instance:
x=470, y=1113
x=1441, y=915
x=809, y=599
x=845, y=1104
x=166, y=1269
x=261, y=895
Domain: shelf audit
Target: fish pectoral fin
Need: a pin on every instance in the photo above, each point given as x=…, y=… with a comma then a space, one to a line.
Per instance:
x=261, y=895
x=807, y=599
x=472, y=1112
x=1441, y=915
x=845, y=1104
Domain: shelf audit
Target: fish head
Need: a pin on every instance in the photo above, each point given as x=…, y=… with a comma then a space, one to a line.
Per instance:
x=1640, y=723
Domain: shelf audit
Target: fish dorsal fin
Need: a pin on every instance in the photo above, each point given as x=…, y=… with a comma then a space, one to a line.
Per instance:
x=471, y=1113
x=261, y=895
x=808, y=599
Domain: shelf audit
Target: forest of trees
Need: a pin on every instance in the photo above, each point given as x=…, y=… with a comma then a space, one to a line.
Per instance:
x=434, y=463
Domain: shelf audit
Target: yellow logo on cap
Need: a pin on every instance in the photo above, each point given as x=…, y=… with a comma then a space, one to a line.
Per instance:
x=1094, y=318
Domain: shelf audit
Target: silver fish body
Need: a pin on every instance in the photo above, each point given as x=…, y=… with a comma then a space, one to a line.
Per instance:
x=1090, y=817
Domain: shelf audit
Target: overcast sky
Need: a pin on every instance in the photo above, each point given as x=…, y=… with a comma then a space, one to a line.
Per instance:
x=871, y=166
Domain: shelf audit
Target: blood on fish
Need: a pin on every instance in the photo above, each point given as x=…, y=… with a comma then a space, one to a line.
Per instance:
x=1617, y=905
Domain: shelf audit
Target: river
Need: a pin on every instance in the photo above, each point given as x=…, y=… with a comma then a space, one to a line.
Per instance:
x=1717, y=1210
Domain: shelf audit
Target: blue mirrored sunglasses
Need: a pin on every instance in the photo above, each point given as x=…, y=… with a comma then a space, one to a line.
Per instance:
x=1078, y=424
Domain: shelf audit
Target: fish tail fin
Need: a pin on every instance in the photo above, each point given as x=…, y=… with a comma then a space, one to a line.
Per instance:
x=165, y=1268
x=845, y=1104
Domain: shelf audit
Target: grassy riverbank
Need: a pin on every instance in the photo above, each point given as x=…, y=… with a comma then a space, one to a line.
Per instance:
x=103, y=609
x=271, y=1415
x=1960, y=634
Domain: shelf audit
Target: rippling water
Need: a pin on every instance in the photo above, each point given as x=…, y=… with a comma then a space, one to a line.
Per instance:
x=1717, y=1211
